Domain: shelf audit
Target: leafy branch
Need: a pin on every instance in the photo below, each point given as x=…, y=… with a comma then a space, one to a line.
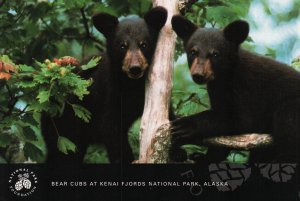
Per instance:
x=87, y=30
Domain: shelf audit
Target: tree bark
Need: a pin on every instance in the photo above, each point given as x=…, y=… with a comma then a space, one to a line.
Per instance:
x=158, y=90
x=240, y=142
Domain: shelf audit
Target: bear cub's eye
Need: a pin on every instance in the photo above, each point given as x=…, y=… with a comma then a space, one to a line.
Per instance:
x=193, y=53
x=143, y=45
x=123, y=45
x=215, y=54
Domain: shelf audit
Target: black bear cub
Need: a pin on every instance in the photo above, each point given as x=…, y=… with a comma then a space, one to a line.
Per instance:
x=116, y=96
x=249, y=93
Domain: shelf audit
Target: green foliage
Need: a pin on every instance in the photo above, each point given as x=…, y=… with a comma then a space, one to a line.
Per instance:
x=187, y=97
x=96, y=154
x=218, y=12
x=238, y=157
x=271, y=53
x=5, y=140
x=283, y=16
x=2, y=160
x=194, y=149
x=91, y=64
x=133, y=138
x=65, y=145
x=81, y=112
x=33, y=152
x=187, y=103
x=35, y=30
x=296, y=63
x=42, y=29
x=27, y=91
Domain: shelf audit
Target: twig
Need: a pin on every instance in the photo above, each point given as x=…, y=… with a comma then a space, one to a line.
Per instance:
x=87, y=30
x=85, y=22
x=82, y=38
x=8, y=90
x=11, y=24
x=24, y=110
x=56, y=130
x=213, y=24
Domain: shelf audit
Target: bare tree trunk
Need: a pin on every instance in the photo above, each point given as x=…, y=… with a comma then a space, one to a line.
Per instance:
x=158, y=88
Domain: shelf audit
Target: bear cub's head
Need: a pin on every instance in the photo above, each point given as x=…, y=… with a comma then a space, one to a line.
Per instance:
x=131, y=42
x=210, y=52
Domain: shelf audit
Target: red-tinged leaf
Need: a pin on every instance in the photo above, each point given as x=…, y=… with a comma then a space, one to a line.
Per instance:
x=4, y=76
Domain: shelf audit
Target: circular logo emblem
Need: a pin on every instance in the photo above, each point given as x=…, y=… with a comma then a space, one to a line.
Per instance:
x=22, y=182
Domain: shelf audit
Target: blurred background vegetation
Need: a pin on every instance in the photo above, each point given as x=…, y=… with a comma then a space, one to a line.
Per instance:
x=46, y=29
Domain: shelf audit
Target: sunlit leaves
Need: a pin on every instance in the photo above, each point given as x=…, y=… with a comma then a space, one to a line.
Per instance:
x=44, y=87
x=91, y=64
x=296, y=63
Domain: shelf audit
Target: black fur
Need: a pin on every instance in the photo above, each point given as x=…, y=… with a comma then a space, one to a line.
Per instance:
x=249, y=93
x=115, y=99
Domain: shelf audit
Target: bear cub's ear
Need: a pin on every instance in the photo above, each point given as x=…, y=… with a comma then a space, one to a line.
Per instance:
x=156, y=17
x=183, y=27
x=105, y=23
x=237, y=31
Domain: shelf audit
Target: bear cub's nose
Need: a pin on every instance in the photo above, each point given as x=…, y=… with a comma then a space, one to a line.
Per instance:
x=199, y=79
x=135, y=70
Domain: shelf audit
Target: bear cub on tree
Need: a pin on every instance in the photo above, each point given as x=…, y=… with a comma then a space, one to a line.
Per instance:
x=249, y=93
x=116, y=96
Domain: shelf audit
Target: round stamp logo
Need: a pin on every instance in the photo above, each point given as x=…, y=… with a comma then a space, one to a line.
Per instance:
x=22, y=182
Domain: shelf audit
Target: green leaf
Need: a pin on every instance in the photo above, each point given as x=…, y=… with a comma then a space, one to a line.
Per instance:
x=238, y=156
x=65, y=145
x=5, y=139
x=96, y=154
x=43, y=96
x=31, y=119
x=25, y=68
x=70, y=4
x=2, y=160
x=40, y=64
x=192, y=149
x=271, y=53
x=27, y=84
x=81, y=113
x=5, y=59
x=91, y=64
x=33, y=152
x=249, y=39
x=296, y=63
x=29, y=133
x=40, y=79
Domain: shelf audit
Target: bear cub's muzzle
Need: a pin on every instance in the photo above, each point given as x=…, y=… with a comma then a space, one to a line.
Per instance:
x=135, y=64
